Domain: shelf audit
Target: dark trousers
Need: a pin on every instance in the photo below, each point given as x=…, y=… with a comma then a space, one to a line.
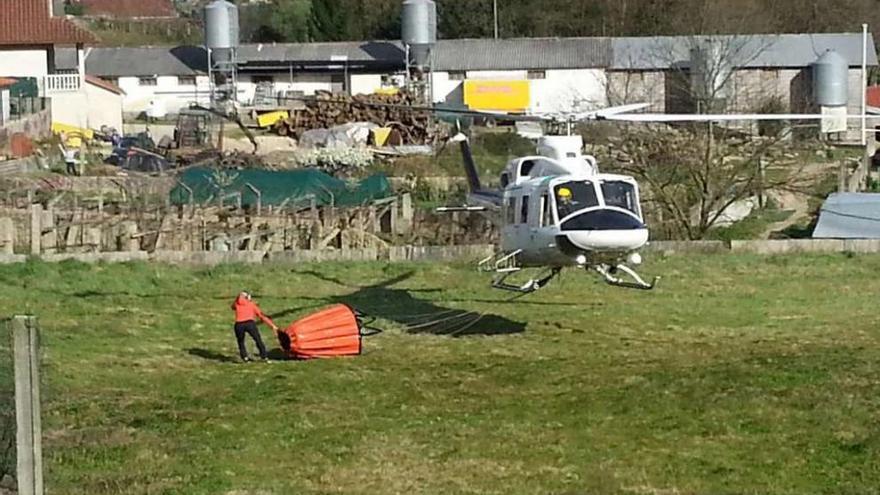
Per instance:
x=249, y=327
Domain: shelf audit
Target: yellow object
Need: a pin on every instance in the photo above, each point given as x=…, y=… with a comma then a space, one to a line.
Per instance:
x=73, y=136
x=387, y=91
x=564, y=192
x=501, y=96
x=380, y=135
x=270, y=118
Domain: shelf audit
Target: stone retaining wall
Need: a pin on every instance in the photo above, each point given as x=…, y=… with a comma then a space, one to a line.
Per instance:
x=444, y=253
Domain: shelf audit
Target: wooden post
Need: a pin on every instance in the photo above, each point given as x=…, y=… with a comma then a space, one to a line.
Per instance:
x=27, y=406
x=36, y=228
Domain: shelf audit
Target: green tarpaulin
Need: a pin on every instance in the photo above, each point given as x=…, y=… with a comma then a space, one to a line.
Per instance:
x=288, y=187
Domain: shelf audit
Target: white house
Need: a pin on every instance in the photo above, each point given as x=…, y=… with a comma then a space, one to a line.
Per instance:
x=29, y=36
x=174, y=76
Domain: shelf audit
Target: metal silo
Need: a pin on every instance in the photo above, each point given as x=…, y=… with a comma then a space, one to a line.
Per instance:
x=221, y=25
x=419, y=28
x=221, y=43
x=831, y=80
x=711, y=72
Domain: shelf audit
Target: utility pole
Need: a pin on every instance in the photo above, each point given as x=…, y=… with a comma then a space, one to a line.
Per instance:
x=495, y=16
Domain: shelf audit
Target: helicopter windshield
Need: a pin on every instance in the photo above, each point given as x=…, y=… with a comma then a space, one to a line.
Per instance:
x=574, y=196
x=620, y=194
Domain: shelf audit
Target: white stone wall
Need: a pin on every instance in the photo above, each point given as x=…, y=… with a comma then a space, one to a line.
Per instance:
x=90, y=108
x=167, y=89
x=558, y=91
x=637, y=87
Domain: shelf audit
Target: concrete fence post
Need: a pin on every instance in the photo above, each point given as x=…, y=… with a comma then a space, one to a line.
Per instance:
x=27, y=405
x=36, y=228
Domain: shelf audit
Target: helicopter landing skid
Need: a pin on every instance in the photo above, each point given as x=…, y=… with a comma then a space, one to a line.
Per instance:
x=609, y=273
x=530, y=286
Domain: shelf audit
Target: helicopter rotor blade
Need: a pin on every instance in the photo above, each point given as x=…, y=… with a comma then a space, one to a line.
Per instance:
x=662, y=117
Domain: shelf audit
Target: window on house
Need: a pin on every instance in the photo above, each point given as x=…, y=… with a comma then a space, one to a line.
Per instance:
x=147, y=81
x=457, y=76
x=263, y=79
x=537, y=74
x=186, y=81
x=524, y=210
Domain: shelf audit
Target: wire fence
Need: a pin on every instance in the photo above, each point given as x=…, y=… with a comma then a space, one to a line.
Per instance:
x=7, y=404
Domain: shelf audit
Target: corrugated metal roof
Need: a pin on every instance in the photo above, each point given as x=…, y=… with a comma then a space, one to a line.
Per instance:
x=794, y=51
x=755, y=51
x=355, y=51
x=522, y=53
x=849, y=216
x=140, y=61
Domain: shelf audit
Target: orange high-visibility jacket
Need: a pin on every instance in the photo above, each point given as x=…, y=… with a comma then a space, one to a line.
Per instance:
x=247, y=310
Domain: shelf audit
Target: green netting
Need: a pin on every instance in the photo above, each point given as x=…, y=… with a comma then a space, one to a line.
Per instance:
x=25, y=87
x=288, y=187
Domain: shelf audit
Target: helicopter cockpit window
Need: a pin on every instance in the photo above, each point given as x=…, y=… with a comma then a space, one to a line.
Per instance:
x=526, y=168
x=505, y=180
x=574, y=196
x=620, y=194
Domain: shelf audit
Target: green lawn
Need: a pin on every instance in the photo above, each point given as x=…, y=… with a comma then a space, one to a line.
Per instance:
x=739, y=374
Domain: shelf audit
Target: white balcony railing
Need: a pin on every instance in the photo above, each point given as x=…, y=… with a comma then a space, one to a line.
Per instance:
x=61, y=83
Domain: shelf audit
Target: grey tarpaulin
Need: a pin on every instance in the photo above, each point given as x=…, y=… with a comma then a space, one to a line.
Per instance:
x=849, y=216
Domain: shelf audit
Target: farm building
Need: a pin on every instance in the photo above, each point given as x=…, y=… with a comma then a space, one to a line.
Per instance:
x=742, y=72
x=172, y=76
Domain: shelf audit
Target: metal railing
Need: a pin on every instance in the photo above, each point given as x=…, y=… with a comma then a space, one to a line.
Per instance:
x=61, y=83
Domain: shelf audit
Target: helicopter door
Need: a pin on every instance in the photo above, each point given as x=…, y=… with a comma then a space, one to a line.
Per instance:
x=510, y=229
x=524, y=231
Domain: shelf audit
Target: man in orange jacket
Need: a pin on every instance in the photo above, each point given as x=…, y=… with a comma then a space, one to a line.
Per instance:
x=246, y=313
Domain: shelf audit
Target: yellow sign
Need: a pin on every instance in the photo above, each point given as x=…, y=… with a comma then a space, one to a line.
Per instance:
x=269, y=119
x=502, y=96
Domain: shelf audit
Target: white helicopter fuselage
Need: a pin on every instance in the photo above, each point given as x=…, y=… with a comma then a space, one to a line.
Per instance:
x=559, y=210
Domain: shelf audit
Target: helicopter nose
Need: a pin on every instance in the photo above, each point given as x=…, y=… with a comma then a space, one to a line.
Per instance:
x=605, y=230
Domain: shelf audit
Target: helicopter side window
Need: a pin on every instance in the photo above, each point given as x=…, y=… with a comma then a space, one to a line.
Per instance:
x=511, y=210
x=526, y=168
x=574, y=196
x=524, y=210
x=620, y=194
x=505, y=180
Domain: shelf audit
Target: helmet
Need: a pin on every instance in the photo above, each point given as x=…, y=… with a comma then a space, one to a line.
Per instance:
x=564, y=192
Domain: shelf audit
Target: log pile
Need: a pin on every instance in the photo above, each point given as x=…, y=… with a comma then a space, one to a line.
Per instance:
x=327, y=110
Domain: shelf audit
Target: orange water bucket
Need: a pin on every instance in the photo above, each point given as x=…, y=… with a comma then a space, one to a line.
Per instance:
x=331, y=332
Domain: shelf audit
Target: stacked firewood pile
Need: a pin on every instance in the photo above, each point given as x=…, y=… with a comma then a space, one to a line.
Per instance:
x=325, y=110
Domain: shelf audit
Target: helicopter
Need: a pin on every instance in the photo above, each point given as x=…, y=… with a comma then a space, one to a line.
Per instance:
x=556, y=209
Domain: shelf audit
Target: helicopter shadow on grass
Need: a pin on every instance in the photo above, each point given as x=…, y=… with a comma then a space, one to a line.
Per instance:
x=416, y=315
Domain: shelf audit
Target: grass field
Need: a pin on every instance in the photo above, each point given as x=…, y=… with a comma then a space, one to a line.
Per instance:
x=739, y=374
